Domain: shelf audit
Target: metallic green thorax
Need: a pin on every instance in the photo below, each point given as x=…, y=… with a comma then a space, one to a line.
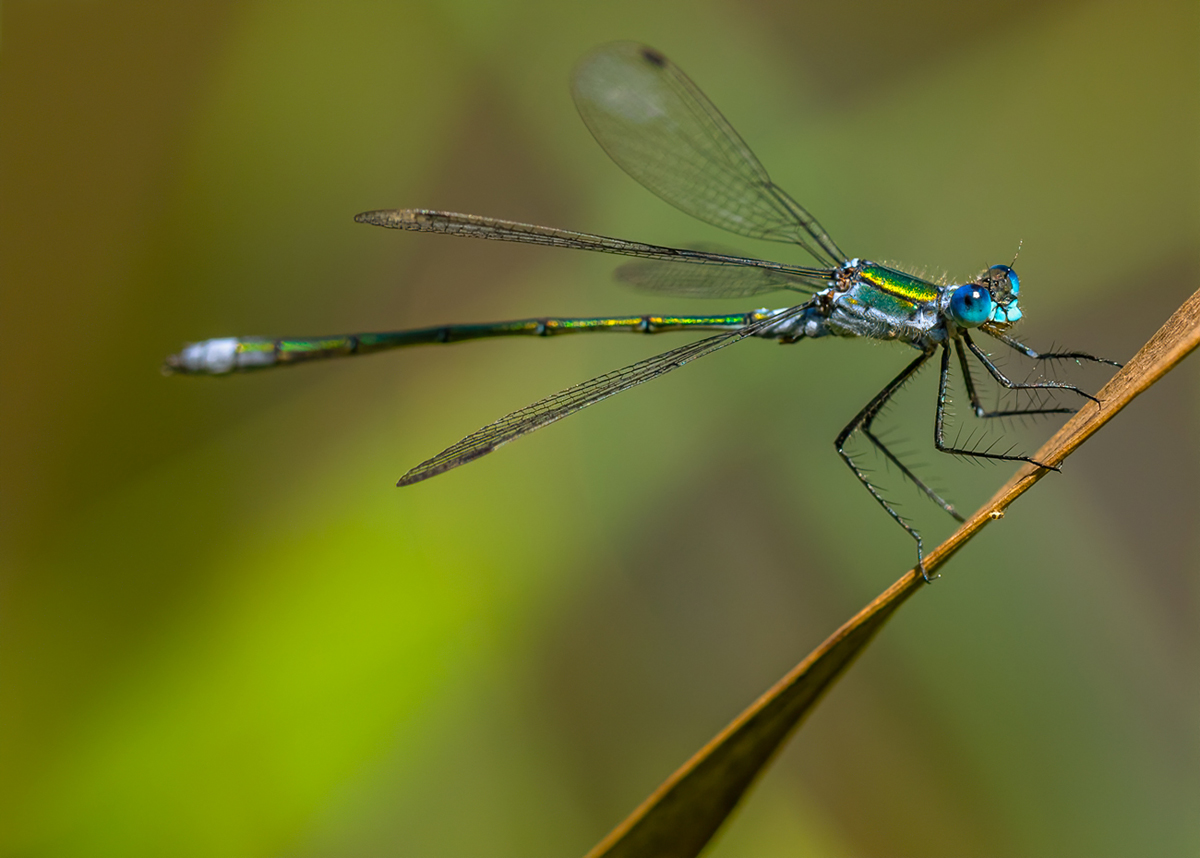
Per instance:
x=906, y=290
x=876, y=302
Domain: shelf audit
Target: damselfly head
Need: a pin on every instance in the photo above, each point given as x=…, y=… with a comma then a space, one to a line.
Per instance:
x=1003, y=285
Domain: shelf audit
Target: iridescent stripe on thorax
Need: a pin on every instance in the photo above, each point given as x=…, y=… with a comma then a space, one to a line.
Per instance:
x=897, y=284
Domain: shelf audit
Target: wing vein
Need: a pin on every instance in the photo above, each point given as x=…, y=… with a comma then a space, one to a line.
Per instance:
x=566, y=402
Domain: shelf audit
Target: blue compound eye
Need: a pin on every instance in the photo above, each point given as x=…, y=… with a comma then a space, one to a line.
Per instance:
x=970, y=305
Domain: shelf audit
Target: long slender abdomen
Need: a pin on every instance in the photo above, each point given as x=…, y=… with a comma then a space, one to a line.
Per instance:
x=242, y=354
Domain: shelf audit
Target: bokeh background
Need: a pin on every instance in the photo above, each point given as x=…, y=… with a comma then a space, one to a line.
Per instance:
x=225, y=632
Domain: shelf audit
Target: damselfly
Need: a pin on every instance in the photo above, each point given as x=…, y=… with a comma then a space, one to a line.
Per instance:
x=662, y=130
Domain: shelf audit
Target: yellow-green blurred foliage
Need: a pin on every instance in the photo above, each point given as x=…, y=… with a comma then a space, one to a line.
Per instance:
x=225, y=632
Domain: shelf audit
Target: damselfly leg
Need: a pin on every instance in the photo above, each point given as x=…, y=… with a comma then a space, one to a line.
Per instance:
x=977, y=405
x=1034, y=355
x=862, y=423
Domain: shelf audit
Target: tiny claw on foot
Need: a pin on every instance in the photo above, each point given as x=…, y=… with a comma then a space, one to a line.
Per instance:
x=925, y=576
x=1055, y=468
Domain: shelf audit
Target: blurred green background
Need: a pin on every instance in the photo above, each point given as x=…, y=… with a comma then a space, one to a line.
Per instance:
x=225, y=632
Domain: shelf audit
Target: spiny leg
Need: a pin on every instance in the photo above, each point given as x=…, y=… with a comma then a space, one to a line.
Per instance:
x=1030, y=353
x=995, y=373
x=977, y=406
x=939, y=421
x=862, y=421
x=904, y=469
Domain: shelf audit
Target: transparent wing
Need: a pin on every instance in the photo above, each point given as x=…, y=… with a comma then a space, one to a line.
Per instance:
x=566, y=402
x=662, y=130
x=710, y=281
x=496, y=229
